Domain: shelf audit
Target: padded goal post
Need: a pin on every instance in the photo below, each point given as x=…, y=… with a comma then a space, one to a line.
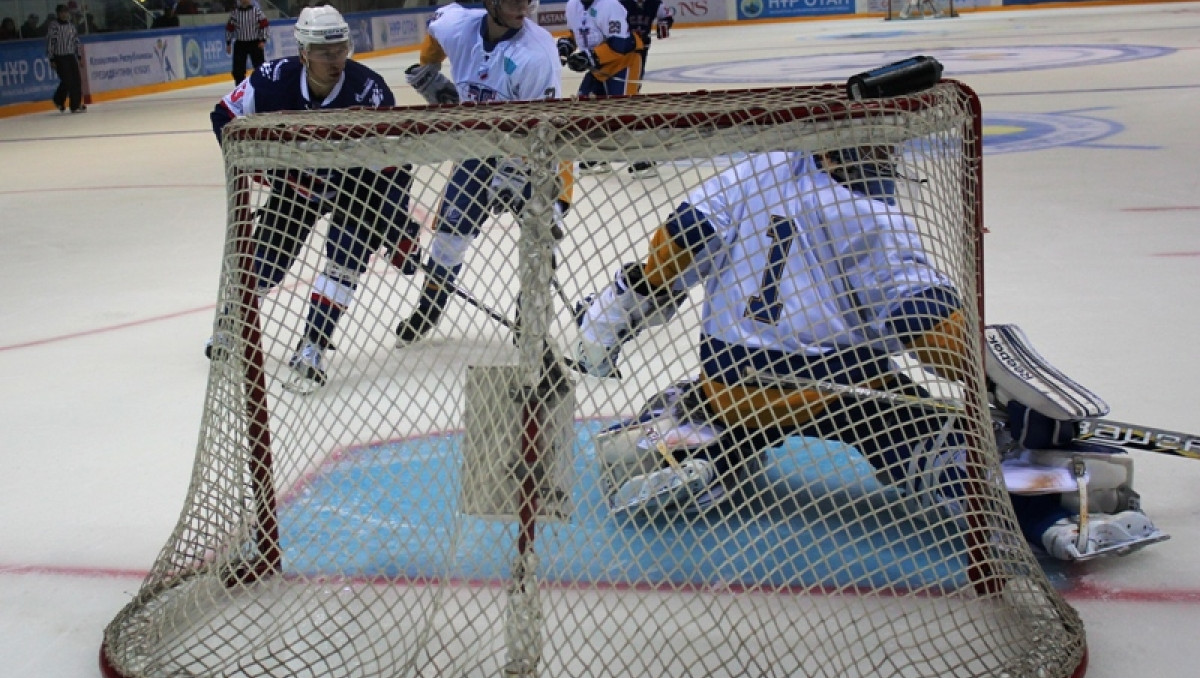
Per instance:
x=438, y=509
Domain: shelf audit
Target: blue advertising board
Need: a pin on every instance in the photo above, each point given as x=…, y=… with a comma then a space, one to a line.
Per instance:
x=25, y=73
x=779, y=9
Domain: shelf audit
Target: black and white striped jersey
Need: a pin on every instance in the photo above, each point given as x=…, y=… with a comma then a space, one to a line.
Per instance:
x=61, y=39
x=246, y=24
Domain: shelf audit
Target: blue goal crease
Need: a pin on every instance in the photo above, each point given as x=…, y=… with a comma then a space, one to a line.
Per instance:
x=391, y=511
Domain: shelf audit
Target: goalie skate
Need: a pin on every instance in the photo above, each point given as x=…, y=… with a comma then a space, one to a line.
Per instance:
x=1108, y=535
x=689, y=487
x=307, y=370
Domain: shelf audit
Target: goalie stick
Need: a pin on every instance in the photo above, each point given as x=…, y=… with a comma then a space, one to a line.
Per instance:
x=1132, y=436
x=1138, y=437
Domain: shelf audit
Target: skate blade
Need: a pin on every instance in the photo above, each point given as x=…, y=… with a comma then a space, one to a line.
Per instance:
x=1125, y=548
x=302, y=384
x=689, y=496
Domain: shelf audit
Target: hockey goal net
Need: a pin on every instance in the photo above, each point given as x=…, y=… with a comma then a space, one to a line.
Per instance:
x=440, y=509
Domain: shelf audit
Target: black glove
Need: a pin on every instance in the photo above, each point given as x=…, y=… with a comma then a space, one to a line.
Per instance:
x=583, y=61
x=565, y=47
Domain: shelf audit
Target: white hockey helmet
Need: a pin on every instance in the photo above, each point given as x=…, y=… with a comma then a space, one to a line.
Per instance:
x=493, y=6
x=322, y=26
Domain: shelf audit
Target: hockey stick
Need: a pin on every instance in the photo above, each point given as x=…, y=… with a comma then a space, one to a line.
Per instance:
x=1133, y=436
x=492, y=313
x=1138, y=437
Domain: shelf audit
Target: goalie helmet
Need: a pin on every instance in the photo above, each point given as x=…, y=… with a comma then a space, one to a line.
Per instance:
x=322, y=26
x=868, y=170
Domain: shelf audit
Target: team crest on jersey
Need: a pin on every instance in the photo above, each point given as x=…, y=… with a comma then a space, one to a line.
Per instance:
x=370, y=91
x=510, y=66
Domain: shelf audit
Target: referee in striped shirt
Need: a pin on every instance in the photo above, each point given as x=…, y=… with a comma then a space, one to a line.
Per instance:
x=246, y=36
x=62, y=46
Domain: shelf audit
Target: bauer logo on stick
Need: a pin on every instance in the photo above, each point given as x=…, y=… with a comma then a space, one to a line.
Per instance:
x=896, y=79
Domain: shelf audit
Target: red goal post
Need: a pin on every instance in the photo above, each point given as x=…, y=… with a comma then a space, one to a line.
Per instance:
x=439, y=509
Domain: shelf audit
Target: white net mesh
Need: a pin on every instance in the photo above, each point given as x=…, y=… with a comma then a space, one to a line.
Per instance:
x=442, y=508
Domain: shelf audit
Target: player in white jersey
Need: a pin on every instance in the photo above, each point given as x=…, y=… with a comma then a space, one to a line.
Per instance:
x=368, y=205
x=606, y=51
x=813, y=280
x=496, y=53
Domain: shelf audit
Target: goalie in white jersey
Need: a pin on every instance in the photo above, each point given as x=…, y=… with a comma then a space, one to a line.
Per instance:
x=813, y=280
x=496, y=53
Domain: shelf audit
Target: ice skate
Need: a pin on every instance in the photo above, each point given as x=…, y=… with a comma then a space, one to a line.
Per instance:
x=308, y=369
x=689, y=487
x=642, y=170
x=220, y=345
x=587, y=167
x=426, y=316
x=1107, y=535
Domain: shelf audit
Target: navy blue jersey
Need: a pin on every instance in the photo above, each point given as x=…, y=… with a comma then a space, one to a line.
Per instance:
x=641, y=15
x=280, y=85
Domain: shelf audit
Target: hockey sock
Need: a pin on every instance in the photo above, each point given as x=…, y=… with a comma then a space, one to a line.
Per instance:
x=322, y=321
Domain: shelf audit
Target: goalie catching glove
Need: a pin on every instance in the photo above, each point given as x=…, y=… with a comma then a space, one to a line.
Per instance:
x=431, y=84
x=617, y=314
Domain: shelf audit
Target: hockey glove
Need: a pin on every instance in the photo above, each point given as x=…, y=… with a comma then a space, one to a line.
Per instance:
x=616, y=315
x=565, y=47
x=508, y=185
x=431, y=84
x=583, y=61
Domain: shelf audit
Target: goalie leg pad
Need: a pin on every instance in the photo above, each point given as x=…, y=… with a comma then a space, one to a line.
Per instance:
x=1020, y=373
x=1108, y=474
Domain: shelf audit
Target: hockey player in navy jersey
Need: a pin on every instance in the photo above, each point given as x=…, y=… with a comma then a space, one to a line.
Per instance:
x=814, y=280
x=607, y=52
x=642, y=15
x=497, y=53
x=368, y=206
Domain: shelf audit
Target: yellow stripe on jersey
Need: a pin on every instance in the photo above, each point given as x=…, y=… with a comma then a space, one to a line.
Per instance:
x=757, y=408
x=613, y=63
x=944, y=348
x=431, y=51
x=566, y=182
x=667, y=260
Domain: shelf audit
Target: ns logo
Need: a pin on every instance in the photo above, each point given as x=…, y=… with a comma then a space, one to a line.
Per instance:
x=697, y=8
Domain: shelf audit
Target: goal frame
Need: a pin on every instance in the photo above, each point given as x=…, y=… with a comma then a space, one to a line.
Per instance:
x=536, y=130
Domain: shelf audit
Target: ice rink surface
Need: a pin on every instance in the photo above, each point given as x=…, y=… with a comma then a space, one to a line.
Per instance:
x=110, y=240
